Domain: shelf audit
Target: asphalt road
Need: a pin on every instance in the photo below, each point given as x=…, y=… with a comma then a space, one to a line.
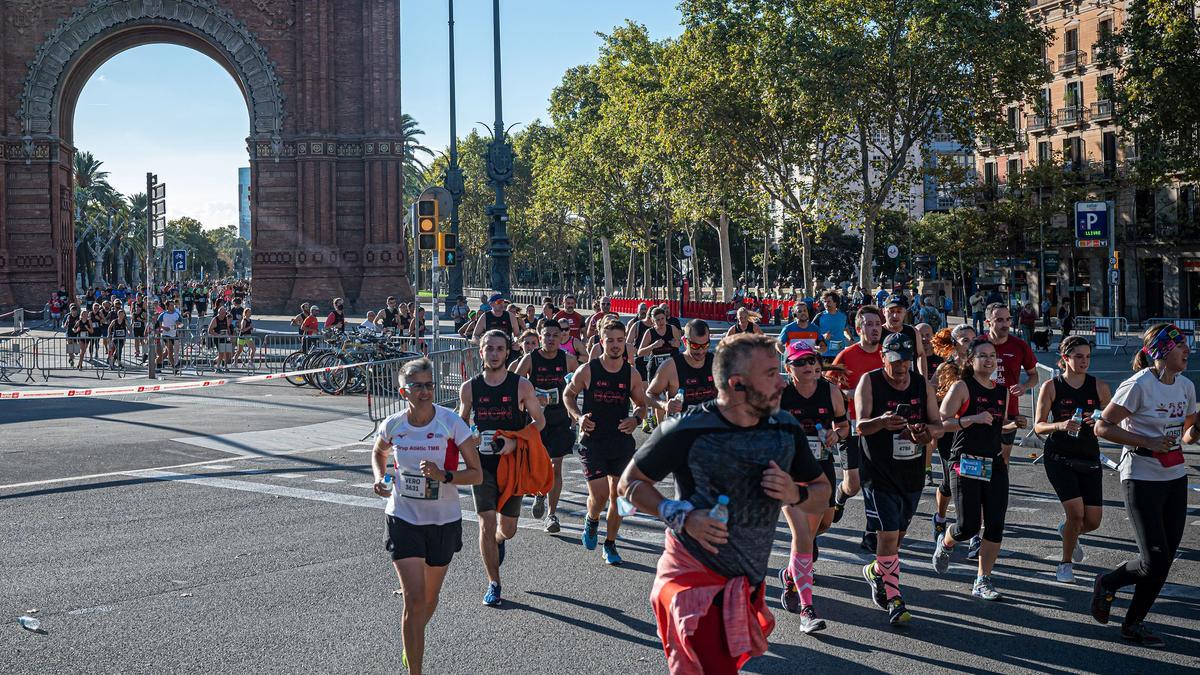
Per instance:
x=263, y=553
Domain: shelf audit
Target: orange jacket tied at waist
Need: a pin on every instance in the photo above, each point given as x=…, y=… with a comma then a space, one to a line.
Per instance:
x=526, y=470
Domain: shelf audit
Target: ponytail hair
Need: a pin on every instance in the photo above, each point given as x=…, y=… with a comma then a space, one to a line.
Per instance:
x=1142, y=360
x=968, y=369
x=1070, y=343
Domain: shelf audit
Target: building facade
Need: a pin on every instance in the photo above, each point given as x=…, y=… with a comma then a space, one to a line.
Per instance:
x=244, y=203
x=1072, y=122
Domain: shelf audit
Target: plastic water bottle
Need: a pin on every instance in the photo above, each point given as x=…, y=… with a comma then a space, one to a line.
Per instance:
x=1078, y=419
x=720, y=511
x=30, y=623
x=679, y=397
x=822, y=435
x=1097, y=414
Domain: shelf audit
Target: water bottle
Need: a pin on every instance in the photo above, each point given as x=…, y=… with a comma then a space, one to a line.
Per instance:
x=1078, y=419
x=1096, y=415
x=679, y=397
x=720, y=511
x=29, y=623
x=822, y=435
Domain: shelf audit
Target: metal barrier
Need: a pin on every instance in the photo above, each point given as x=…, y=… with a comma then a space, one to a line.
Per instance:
x=17, y=355
x=451, y=368
x=17, y=317
x=383, y=390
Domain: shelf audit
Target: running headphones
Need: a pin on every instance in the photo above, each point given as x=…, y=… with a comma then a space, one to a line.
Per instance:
x=739, y=387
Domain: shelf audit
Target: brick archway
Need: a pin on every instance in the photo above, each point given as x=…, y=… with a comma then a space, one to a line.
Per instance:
x=322, y=88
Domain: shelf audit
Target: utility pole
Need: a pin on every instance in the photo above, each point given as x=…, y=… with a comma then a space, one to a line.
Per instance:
x=453, y=181
x=151, y=179
x=499, y=169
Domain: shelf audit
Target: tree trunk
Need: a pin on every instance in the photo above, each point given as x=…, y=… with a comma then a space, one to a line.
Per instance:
x=647, y=281
x=631, y=272
x=726, y=258
x=606, y=255
x=668, y=263
x=120, y=258
x=866, y=259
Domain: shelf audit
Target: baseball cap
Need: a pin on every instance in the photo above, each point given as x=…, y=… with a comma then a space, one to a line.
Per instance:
x=893, y=301
x=497, y=297
x=898, y=347
x=799, y=350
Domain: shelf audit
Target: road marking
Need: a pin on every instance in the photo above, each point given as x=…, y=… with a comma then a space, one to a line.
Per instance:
x=218, y=467
x=328, y=480
x=288, y=475
x=275, y=441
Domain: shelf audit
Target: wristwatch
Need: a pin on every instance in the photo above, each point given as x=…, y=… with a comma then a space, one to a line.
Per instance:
x=449, y=477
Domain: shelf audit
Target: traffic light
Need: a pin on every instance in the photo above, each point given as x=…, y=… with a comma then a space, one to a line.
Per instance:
x=427, y=220
x=447, y=250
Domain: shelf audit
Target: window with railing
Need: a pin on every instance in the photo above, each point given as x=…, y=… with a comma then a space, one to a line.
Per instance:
x=1101, y=111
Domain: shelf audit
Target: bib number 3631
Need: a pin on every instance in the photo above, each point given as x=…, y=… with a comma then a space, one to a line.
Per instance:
x=417, y=486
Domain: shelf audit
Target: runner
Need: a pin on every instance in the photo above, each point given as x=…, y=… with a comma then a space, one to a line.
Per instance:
x=849, y=366
x=568, y=313
x=746, y=322
x=658, y=343
x=925, y=335
x=547, y=369
x=974, y=408
x=689, y=371
x=497, y=400
x=496, y=318
x=245, y=340
x=952, y=346
x=635, y=329
x=140, y=350
x=813, y=401
x=570, y=345
x=894, y=311
x=530, y=343
x=1065, y=407
x=118, y=329
x=708, y=594
x=1148, y=415
x=424, y=519
x=833, y=325
x=220, y=331
x=167, y=326
x=594, y=320
x=898, y=415
x=800, y=330
x=608, y=384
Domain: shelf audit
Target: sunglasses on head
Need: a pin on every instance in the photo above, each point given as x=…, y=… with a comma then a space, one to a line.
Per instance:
x=806, y=361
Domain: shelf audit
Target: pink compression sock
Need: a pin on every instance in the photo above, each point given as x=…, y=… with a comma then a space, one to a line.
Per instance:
x=888, y=566
x=801, y=571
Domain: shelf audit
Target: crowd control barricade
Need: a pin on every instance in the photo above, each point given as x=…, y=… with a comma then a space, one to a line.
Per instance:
x=1107, y=331
x=18, y=357
x=452, y=367
x=81, y=354
x=383, y=391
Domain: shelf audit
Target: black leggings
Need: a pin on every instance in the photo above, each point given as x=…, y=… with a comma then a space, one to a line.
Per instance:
x=981, y=503
x=1158, y=513
x=944, y=446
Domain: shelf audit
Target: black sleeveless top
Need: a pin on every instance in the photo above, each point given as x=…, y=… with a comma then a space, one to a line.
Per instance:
x=502, y=322
x=1062, y=408
x=389, y=317
x=635, y=337
x=892, y=461
x=248, y=329
x=809, y=411
x=497, y=407
x=697, y=383
x=551, y=374
x=607, y=398
x=979, y=439
x=222, y=327
x=666, y=347
x=118, y=329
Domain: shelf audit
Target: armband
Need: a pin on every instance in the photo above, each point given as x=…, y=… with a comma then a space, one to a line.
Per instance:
x=674, y=513
x=839, y=418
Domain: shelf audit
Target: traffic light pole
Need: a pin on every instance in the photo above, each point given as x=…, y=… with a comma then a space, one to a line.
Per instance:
x=151, y=179
x=454, y=176
x=499, y=169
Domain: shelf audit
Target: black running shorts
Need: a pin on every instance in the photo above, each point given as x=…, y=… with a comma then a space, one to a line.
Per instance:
x=606, y=456
x=436, y=544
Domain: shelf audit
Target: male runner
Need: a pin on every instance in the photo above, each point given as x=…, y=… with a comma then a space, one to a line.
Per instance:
x=498, y=400
x=898, y=416
x=893, y=313
x=568, y=313
x=606, y=426
x=496, y=318
x=833, y=324
x=168, y=324
x=850, y=365
x=708, y=591
x=799, y=330
x=547, y=369
x=690, y=371
x=594, y=321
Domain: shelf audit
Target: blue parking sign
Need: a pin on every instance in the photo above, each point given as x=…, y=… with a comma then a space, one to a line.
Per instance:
x=179, y=260
x=1091, y=221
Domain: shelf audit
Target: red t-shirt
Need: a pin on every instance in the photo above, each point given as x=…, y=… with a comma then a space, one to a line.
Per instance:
x=310, y=325
x=1013, y=356
x=857, y=362
x=575, y=318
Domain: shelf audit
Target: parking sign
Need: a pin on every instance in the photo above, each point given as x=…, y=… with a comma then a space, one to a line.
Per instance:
x=1091, y=221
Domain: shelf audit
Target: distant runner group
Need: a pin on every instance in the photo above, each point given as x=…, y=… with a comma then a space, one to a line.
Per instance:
x=745, y=444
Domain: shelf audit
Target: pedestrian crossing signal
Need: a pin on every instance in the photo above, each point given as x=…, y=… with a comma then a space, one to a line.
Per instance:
x=449, y=258
x=447, y=249
x=427, y=220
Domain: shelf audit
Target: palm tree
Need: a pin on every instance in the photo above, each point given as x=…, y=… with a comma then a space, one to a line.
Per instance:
x=414, y=167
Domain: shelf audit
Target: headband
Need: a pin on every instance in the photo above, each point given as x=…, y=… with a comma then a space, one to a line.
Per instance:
x=1163, y=343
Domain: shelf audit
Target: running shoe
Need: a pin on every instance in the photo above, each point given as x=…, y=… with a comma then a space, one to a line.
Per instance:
x=1102, y=600
x=539, y=507
x=590, y=534
x=1077, y=554
x=985, y=589
x=973, y=548
x=870, y=541
x=838, y=511
x=492, y=597
x=809, y=622
x=1139, y=634
x=928, y=477
x=500, y=550
x=1065, y=573
x=878, y=593
x=404, y=658
x=898, y=612
x=790, y=597
x=611, y=556
x=939, y=530
x=941, y=557
x=552, y=524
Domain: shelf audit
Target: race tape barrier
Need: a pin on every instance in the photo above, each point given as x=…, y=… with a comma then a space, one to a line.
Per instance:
x=10, y=395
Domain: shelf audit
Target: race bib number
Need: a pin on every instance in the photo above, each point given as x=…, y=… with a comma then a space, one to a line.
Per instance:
x=137, y=324
x=903, y=448
x=1175, y=433
x=417, y=486
x=118, y=333
x=659, y=359
x=979, y=468
x=485, y=443
x=547, y=396
x=818, y=449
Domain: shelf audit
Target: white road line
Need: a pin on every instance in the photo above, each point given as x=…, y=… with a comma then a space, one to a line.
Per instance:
x=328, y=480
x=287, y=475
x=218, y=467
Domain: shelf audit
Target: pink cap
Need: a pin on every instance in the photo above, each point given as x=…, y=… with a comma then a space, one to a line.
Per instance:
x=799, y=350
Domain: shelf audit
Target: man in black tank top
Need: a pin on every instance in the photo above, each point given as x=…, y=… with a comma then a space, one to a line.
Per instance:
x=547, y=369
x=893, y=314
x=388, y=315
x=897, y=417
x=497, y=318
x=606, y=426
x=496, y=400
x=633, y=333
x=689, y=371
x=220, y=330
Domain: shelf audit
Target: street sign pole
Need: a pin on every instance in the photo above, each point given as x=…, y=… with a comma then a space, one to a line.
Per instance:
x=1115, y=275
x=151, y=179
x=437, y=288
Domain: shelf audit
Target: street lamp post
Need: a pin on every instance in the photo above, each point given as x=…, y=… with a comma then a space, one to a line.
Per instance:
x=454, y=176
x=499, y=169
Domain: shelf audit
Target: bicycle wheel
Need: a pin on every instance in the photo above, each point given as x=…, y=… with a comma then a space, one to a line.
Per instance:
x=293, y=362
x=332, y=382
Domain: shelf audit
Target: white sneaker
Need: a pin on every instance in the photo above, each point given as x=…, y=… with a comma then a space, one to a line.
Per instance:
x=1066, y=573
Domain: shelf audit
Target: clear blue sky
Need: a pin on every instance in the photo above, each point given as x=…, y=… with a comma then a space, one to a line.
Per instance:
x=174, y=111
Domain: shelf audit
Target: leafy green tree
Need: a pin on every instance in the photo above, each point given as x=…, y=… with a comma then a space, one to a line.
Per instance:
x=415, y=168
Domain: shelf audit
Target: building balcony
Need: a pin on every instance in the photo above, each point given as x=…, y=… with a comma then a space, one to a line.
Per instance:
x=1102, y=111
x=1071, y=116
x=1038, y=123
x=1072, y=60
x=1107, y=57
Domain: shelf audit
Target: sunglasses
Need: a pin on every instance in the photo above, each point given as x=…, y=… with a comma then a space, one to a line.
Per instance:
x=420, y=386
x=699, y=345
x=806, y=361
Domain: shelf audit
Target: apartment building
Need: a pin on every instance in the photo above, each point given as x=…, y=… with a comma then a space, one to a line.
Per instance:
x=1072, y=121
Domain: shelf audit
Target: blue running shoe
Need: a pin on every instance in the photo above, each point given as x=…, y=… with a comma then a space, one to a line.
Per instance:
x=492, y=597
x=590, y=528
x=610, y=553
x=500, y=549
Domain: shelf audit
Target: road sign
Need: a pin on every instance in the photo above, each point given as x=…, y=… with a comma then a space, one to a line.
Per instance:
x=893, y=251
x=158, y=239
x=179, y=260
x=160, y=191
x=1091, y=221
x=687, y=251
x=1114, y=276
x=1090, y=243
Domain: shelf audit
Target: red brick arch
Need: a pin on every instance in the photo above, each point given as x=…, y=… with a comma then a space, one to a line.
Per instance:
x=321, y=79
